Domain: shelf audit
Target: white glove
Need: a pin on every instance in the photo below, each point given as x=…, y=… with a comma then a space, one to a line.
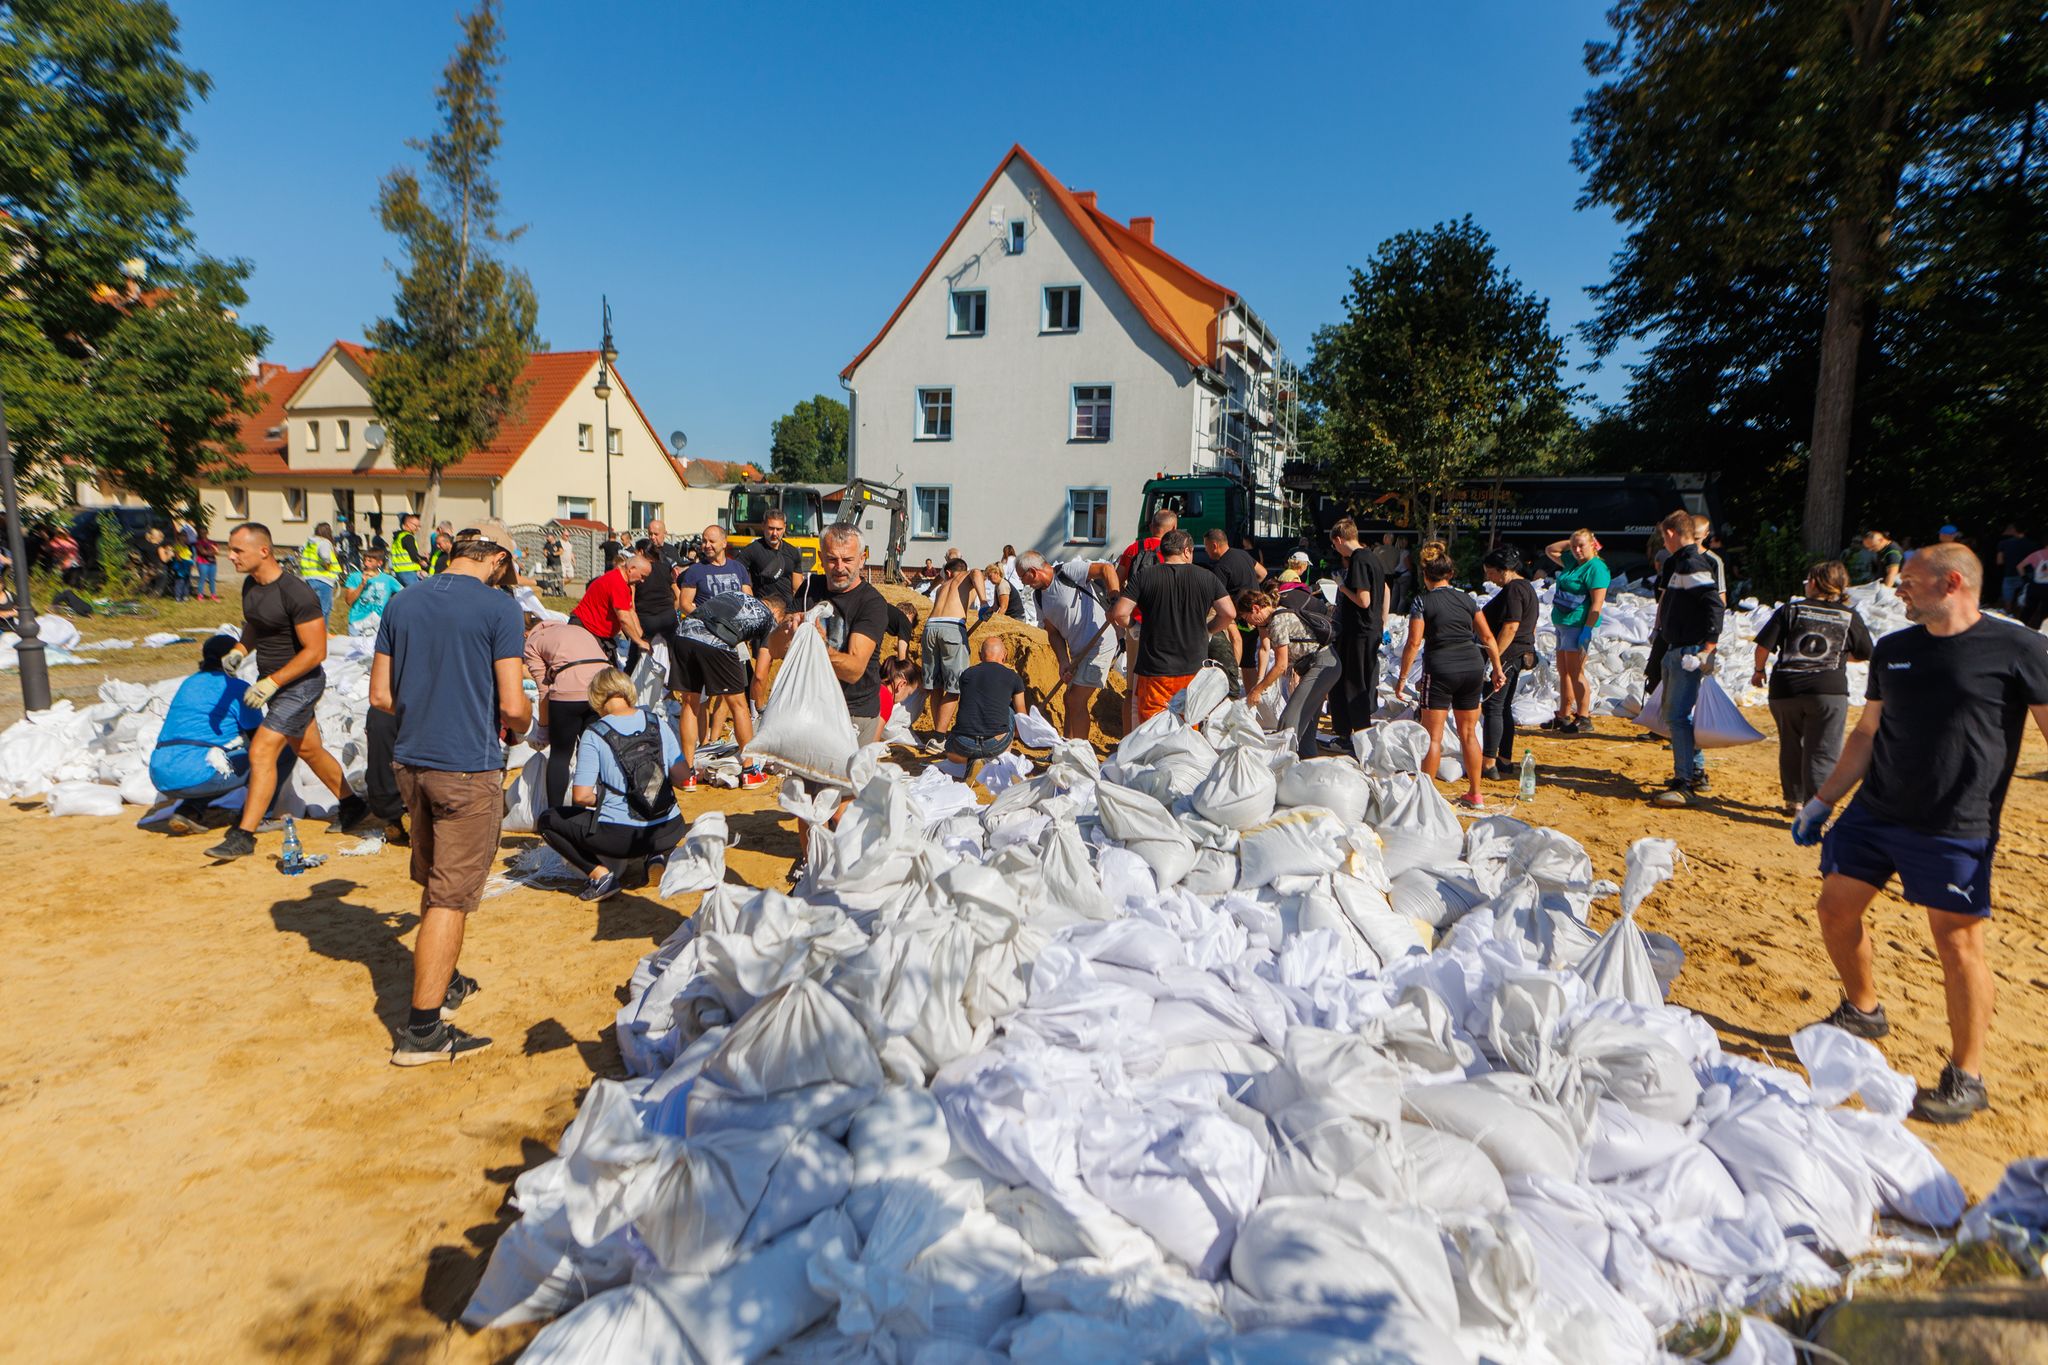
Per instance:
x=231, y=662
x=1690, y=663
x=217, y=759
x=260, y=692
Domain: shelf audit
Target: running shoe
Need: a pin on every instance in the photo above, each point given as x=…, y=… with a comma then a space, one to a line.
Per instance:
x=604, y=888
x=1869, y=1023
x=352, y=816
x=689, y=786
x=188, y=818
x=460, y=988
x=239, y=843
x=1676, y=793
x=1954, y=1098
x=442, y=1043
x=753, y=777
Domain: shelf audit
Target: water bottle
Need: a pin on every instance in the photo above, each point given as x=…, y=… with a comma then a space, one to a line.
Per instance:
x=1528, y=792
x=294, y=860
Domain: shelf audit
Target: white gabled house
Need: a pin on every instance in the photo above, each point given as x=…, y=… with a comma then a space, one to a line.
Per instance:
x=1050, y=360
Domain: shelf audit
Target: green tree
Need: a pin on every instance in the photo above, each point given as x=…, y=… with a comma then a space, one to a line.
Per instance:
x=449, y=361
x=1794, y=160
x=808, y=443
x=120, y=352
x=1443, y=368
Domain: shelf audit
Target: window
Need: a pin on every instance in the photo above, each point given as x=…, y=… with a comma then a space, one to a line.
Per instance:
x=1087, y=516
x=970, y=313
x=312, y=435
x=1063, y=308
x=611, y=441
x=640, y=513
x=573, y=507
x=341, y=433
x=1016, y=236
x=238, y=503
x=414, y=501
x=931, y=516
x=294, y=504
x=934, y=414
x=586, y=437
x=1091, y=412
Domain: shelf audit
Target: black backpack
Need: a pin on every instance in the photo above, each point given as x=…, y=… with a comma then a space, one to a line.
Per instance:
x=647, y=791
x=1313, y=612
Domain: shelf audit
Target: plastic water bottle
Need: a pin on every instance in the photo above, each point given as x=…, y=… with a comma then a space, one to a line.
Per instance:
x=1528, y=792
x=294, y=860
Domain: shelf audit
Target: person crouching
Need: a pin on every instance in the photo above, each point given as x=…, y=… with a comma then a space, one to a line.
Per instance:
x=991, y=699
x=202, y=751
x=622, y=801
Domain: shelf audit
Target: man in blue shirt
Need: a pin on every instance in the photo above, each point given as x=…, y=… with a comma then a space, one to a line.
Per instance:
x=448, y=667
x=713, y=575
x=367, y=591
x=202, y=751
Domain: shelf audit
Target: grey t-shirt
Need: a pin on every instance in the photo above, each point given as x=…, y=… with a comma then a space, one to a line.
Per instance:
x=1068, y=607
x=445, y=635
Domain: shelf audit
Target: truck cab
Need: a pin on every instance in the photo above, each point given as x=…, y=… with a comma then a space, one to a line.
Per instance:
x=1204, y=502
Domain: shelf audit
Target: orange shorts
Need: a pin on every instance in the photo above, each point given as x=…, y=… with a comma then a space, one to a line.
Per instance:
x=1153, y=694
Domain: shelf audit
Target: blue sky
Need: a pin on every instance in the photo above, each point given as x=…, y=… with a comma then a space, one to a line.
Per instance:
x=755, y=186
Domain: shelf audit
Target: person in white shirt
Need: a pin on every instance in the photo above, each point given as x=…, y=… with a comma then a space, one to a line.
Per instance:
x=1076, y=623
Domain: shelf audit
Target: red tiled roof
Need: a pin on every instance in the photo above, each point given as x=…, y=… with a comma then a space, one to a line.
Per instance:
x=1178, y=302
x=725, y=471
x=263, y=453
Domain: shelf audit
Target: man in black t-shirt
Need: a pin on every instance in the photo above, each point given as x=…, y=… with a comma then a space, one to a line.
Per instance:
x=2012, y=548
x=771, y=561
x=1947, y=708
x=853, y=634
x=1361, y=617
x=1238, y=572
x=991, y=699
x=1182, y=603
x=655, y=600
x=284, y=627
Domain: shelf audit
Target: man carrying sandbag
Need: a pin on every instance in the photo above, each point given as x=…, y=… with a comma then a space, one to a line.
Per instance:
x=1935, y=751
x=607, y=608
x=450, y=666
x=1077, y=624
x=1689, y=619
x=1181, y=603
x=853, y=633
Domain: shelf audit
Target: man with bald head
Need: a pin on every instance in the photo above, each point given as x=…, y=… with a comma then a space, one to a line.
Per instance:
x=1935, y=751
x=991, y=699
x=655, y=603
x=714, y=574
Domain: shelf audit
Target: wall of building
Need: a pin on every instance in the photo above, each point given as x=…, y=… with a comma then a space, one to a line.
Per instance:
x=553, y=467
x=1011, y=461
x=462, y=501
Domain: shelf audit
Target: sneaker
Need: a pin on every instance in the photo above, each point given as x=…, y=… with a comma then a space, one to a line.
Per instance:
x=442, y=1043
x=239, y=843
x=689, y=786
x=460, y=988
x=604, y=888
x=271, y=824
x=935, y=744
x=1490, y=772
x=1676, y=794
x=1863, y=1023
x=188, y=818
x=1701, y=786
x=1955, y=1097
x=753, y=777
x=353, y=816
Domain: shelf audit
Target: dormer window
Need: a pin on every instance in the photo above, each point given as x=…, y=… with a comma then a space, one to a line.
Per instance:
x=312, y=435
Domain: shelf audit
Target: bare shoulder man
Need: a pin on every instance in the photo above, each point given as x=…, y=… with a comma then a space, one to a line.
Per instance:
x=1078, y=626
x=945, y=642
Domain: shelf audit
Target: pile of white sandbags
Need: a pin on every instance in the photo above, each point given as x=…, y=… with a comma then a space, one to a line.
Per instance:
x=1199, y=1053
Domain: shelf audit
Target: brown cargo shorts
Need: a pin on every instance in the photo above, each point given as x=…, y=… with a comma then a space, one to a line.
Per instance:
x=455, y=820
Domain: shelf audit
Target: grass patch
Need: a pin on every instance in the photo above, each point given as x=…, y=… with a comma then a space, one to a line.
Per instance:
x=1707, y=1339
x=1964, y=1265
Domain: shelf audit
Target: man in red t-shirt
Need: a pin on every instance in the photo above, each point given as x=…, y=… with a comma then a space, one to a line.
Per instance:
x=607, y=606
x=1163, y=520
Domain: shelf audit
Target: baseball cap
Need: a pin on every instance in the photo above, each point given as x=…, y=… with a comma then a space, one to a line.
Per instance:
x=495, y=533
x=1298, y=557
x=1949, y=531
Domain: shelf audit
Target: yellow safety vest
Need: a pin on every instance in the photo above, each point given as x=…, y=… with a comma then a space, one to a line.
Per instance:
x=316, y=563
x=401, y=554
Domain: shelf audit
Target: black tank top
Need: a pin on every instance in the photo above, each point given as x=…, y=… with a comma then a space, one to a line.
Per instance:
x=1449, y=644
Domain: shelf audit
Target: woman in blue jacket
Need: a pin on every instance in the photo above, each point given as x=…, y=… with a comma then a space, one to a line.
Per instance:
x=202, y=752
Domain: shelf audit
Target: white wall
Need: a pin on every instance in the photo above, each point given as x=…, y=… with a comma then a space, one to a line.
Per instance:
x=553, y=467
x=1010, y=461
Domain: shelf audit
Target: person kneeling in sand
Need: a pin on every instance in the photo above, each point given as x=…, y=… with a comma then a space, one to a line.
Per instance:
x=202, y=752
x=991, y=699
x=622, y=803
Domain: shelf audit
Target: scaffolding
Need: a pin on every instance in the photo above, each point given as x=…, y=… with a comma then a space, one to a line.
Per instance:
x=1254, y=417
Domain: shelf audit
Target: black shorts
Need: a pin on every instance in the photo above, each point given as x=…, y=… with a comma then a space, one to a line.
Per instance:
x=711, y=669
x=1452, y=691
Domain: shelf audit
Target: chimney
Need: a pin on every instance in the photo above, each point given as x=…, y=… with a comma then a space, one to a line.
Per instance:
x=1087, y=198
x=1141, y=228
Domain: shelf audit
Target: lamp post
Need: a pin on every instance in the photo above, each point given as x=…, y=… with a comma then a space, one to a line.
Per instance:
x=607, y=356
x=28, y=649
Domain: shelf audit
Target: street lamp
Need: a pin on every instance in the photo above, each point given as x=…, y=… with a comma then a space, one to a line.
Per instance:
x=607, y=356
x=28, y=649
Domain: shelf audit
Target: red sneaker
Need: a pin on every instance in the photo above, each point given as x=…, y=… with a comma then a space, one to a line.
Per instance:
x=689, y=783
x=753, y=777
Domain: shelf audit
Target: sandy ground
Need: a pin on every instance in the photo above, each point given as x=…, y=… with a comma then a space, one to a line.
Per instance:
x=209, y=1158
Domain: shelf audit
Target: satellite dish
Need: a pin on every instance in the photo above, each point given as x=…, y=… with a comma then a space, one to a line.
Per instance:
x=373, y=436
x=995, y=215
x=677, y=441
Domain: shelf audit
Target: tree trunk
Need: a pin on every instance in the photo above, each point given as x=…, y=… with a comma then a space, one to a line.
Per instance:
x=430, y=506
x=1834, y=400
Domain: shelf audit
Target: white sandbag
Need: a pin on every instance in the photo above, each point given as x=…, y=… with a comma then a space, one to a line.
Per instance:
x=537, y=1269
x=1206, y=691
x=805, y=726
x=84, y=798
x=1186, y=1176
x=530, y=603
x=1802, y=1165
x=136, y=788
x=1339, y=1252
x=698, y=863
x=1619, y=966
x=796, y=1057
x=1303, y=841
x=1336, y=784
x=1034, y=731
x=650, y=672
x=1147, y=828
x=1239, y=791
x=1399, y=746
x=1911, y=1181
x=1521, y=1132
x=1717, y=722
x=901, y=1133
x=1417, y=826
x=1839, y=1064
x=1438, y=896
x=527, y=796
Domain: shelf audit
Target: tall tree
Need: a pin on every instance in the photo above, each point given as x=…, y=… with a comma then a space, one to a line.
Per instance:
x=448, y=368
x=120, y=352
x=808, y=443
x=1740, y=141
x=1443, y=368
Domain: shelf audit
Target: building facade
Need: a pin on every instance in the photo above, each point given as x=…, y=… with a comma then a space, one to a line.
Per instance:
x=1050, y=360
x=316, y=452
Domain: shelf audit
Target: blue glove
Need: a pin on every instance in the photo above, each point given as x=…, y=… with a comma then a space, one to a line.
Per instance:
x=1812, y=820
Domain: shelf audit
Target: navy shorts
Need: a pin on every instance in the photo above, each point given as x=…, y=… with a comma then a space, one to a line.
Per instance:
x=291, y=706
x=1934, y=870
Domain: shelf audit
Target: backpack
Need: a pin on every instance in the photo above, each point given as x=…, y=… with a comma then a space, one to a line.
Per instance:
x=647, y=791
x=1312, y=611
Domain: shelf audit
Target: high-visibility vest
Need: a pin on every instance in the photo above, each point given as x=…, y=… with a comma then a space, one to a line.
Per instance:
x=402, y=560
x=317, y=562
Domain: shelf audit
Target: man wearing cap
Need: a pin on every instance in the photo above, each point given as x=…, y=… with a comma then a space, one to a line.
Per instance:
x=1297, y=567
x=450, y=669
x=202, y=751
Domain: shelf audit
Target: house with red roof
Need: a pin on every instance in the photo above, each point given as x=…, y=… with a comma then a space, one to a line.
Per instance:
x=1048, y=361
x=316, y=452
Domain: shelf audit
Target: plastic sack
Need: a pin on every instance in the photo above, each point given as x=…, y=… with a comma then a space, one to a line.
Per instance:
x=84, y=798
x=1305, y=841
x=1239, y=791
x=698, y=863
x=805, y=727
x=1338, y=785
x=526, y=796
x=1147, y=828
x=650, y=674
x=137, y=789
x=1206, y=691
x=1345, y=1252
x=1717, y=722
x=1417, y=825
x=1034, y=731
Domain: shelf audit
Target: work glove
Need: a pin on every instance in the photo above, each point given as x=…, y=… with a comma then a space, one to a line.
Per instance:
x=231, y=662
x=1811, y=822
x=260, y=692
x=217, y=759
x=1690, y=663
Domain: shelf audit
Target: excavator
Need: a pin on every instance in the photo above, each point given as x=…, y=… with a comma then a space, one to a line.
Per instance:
x=803, y=514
